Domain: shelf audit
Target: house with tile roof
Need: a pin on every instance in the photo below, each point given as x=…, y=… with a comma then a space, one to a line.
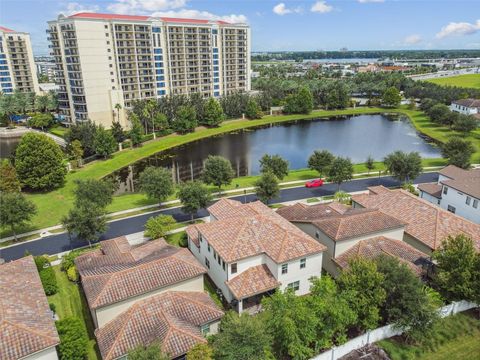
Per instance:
x=250, y=251
x=466, y=106
x=27, y=326
x=427, y=225
x=141, y=294
x=342, y=229
x=457, y=190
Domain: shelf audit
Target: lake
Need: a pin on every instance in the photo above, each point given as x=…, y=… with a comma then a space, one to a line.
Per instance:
x=355, y=137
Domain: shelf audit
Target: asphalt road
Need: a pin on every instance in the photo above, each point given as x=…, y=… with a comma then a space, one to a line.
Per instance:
x=59, y=243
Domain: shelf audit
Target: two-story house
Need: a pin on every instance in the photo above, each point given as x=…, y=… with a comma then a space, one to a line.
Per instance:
x=457, y=190
x=250, y=251
x=147, y=293
x=466, y=106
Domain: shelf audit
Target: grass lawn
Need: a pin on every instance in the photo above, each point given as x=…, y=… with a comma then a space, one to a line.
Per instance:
x=58, y=130
x=466, y=81
x=70, y=301
x=176, y=239
x=455, y=338
x=53, y=205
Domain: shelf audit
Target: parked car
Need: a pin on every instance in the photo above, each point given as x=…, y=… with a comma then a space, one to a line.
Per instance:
x=314, y=183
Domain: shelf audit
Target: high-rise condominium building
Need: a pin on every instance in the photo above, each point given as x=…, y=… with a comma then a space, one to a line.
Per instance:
x=17, y=66
x=106, y=61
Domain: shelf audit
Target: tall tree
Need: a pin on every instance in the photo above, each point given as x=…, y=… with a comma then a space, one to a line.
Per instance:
x=275, y=164
x=217, y=171
x=305, y=100
x=98, y=192
x=8, y=177
x=200, y=351
x=320, y=161
x=242, y=337
x=370, y=164
x=266, y=187
x=253, y=111
x=39, y=162
x=363, y=286
x=186, y=119
x=15, y=210
x=465, y=124
x=118, y=107
x=194, y=196
x=105, y=143
x=158, y=226
x=212, y=113
x=83, y=132
x=340, y=170
x=136, y=130
x=156, y=183
x=391, y=97
x=439, y=113
x=117, y=132
x=76, y=152
x=403, y=166
x=87, y=220
x=458, y=152
x=73, y=339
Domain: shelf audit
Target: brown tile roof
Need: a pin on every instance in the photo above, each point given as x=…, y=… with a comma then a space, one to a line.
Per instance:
x=235, y=236
x=426, y=222
x=472, y=103
x=453, y=172
x=432, y=189
x=466, y=181
x=226, y=209
x=172, y=319
x=26, y=322
x=119, y=271
x=374, y=247
x=357, y=222
x=306, y=213
x=255, y=280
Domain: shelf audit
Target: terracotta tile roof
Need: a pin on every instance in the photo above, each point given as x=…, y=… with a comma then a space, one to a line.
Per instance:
x=26, y=322
x=236, y=235
x=172, y=319
x=255, y=280
x=119, y=271
x=471, y=103
x=357, y=222
x=453, y=172
x=306, y=213
x=432, y=189
x=466, y=181
x=374, y=247
x=426, y=222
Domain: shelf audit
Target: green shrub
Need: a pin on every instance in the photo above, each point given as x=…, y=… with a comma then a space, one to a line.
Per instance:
x=73, y=339
x=47, y=275
x=72, y=273
x=183, y=242
x=52, y=307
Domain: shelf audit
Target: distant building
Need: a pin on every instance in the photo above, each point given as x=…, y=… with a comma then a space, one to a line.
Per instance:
x=27, y=326
x=46, y=68
x=466, y=106
x=17, y=66
x=457, y=191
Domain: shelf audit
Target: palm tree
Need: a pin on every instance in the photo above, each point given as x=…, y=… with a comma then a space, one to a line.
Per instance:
x=118, y=107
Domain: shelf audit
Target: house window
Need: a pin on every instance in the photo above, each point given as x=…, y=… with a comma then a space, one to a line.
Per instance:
x=451, y=208
x=208, y=247
x=233, y=268
x=207, y=263
x=284, y=268
x=317, y=234
x=303, y=263
x=223, y=265
x=475, y=204
x=214, y=255
x=294, y=286
x=468, y=200
x=205, y=329
x=445, y=190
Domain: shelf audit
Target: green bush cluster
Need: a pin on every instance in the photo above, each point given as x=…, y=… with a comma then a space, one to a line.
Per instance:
x=73, y=339
x=47, y=275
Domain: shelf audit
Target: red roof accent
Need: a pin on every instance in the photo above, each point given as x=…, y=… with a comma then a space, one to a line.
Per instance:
x=4, y=29
x=87, y=15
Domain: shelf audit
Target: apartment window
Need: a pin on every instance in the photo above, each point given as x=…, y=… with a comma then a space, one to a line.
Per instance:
x=113, y=87
x=207, y=263
x=108, y=43
x=295, y=286
x=113, y=80
x=106, y=34
x=451, y=208
x=111, y=72
x=284, y=268
x=233, y=268
x=445, y=190
x=111, y=65
x=156, y=29
x=303, y=263
x=157, y=51
x=106, y=26
x=205, y=329
x=468, y=200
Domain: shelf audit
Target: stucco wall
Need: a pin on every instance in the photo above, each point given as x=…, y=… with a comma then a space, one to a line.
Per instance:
x=458, y=199
x=429, y=198
x=46, y=354
x=416, y=244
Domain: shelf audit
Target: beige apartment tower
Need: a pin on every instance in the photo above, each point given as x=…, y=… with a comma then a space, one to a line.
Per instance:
x=106, y=61
x=17, y=65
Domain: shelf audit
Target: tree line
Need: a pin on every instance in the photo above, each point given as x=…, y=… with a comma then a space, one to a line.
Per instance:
x=25, y=103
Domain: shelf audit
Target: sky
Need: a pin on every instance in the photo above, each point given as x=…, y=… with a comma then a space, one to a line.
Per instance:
x=287, y=24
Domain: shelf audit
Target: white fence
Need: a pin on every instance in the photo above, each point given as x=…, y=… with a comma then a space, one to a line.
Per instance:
x=385, y=332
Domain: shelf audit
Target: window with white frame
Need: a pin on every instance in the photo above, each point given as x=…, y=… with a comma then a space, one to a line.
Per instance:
x=295, y=286
x=233, y=268
x=445, y=190
x=205, y=329
x=475, y=203
x=468, y=200
x=303, y=263
x=207, y=263
x=284, y=268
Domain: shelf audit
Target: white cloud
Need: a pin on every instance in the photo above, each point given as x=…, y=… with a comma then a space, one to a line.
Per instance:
x=281, y=9
x=196, y=14
x=74, y=8
x=412, y=39
x=321, y=7
x=370, y=1
x=143, y=6
x=460, y=28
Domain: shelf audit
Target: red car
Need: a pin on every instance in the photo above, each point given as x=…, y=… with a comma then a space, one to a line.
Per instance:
x=314, y=183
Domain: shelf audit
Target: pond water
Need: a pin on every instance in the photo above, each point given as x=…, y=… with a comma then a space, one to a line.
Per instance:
x=355, y=137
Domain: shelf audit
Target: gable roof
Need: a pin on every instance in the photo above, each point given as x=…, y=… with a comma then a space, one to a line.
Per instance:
x=374, y=247
x=426, y=222
x=453, y=172
x=119, y=271
x=253, y=281
x=172, y=319
x=252, y=229
x=4, y=29
x=300, y=212
x=471, y=103
x=466, y=181
x=432, y=189
x=26, y=322
x=357, y=222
